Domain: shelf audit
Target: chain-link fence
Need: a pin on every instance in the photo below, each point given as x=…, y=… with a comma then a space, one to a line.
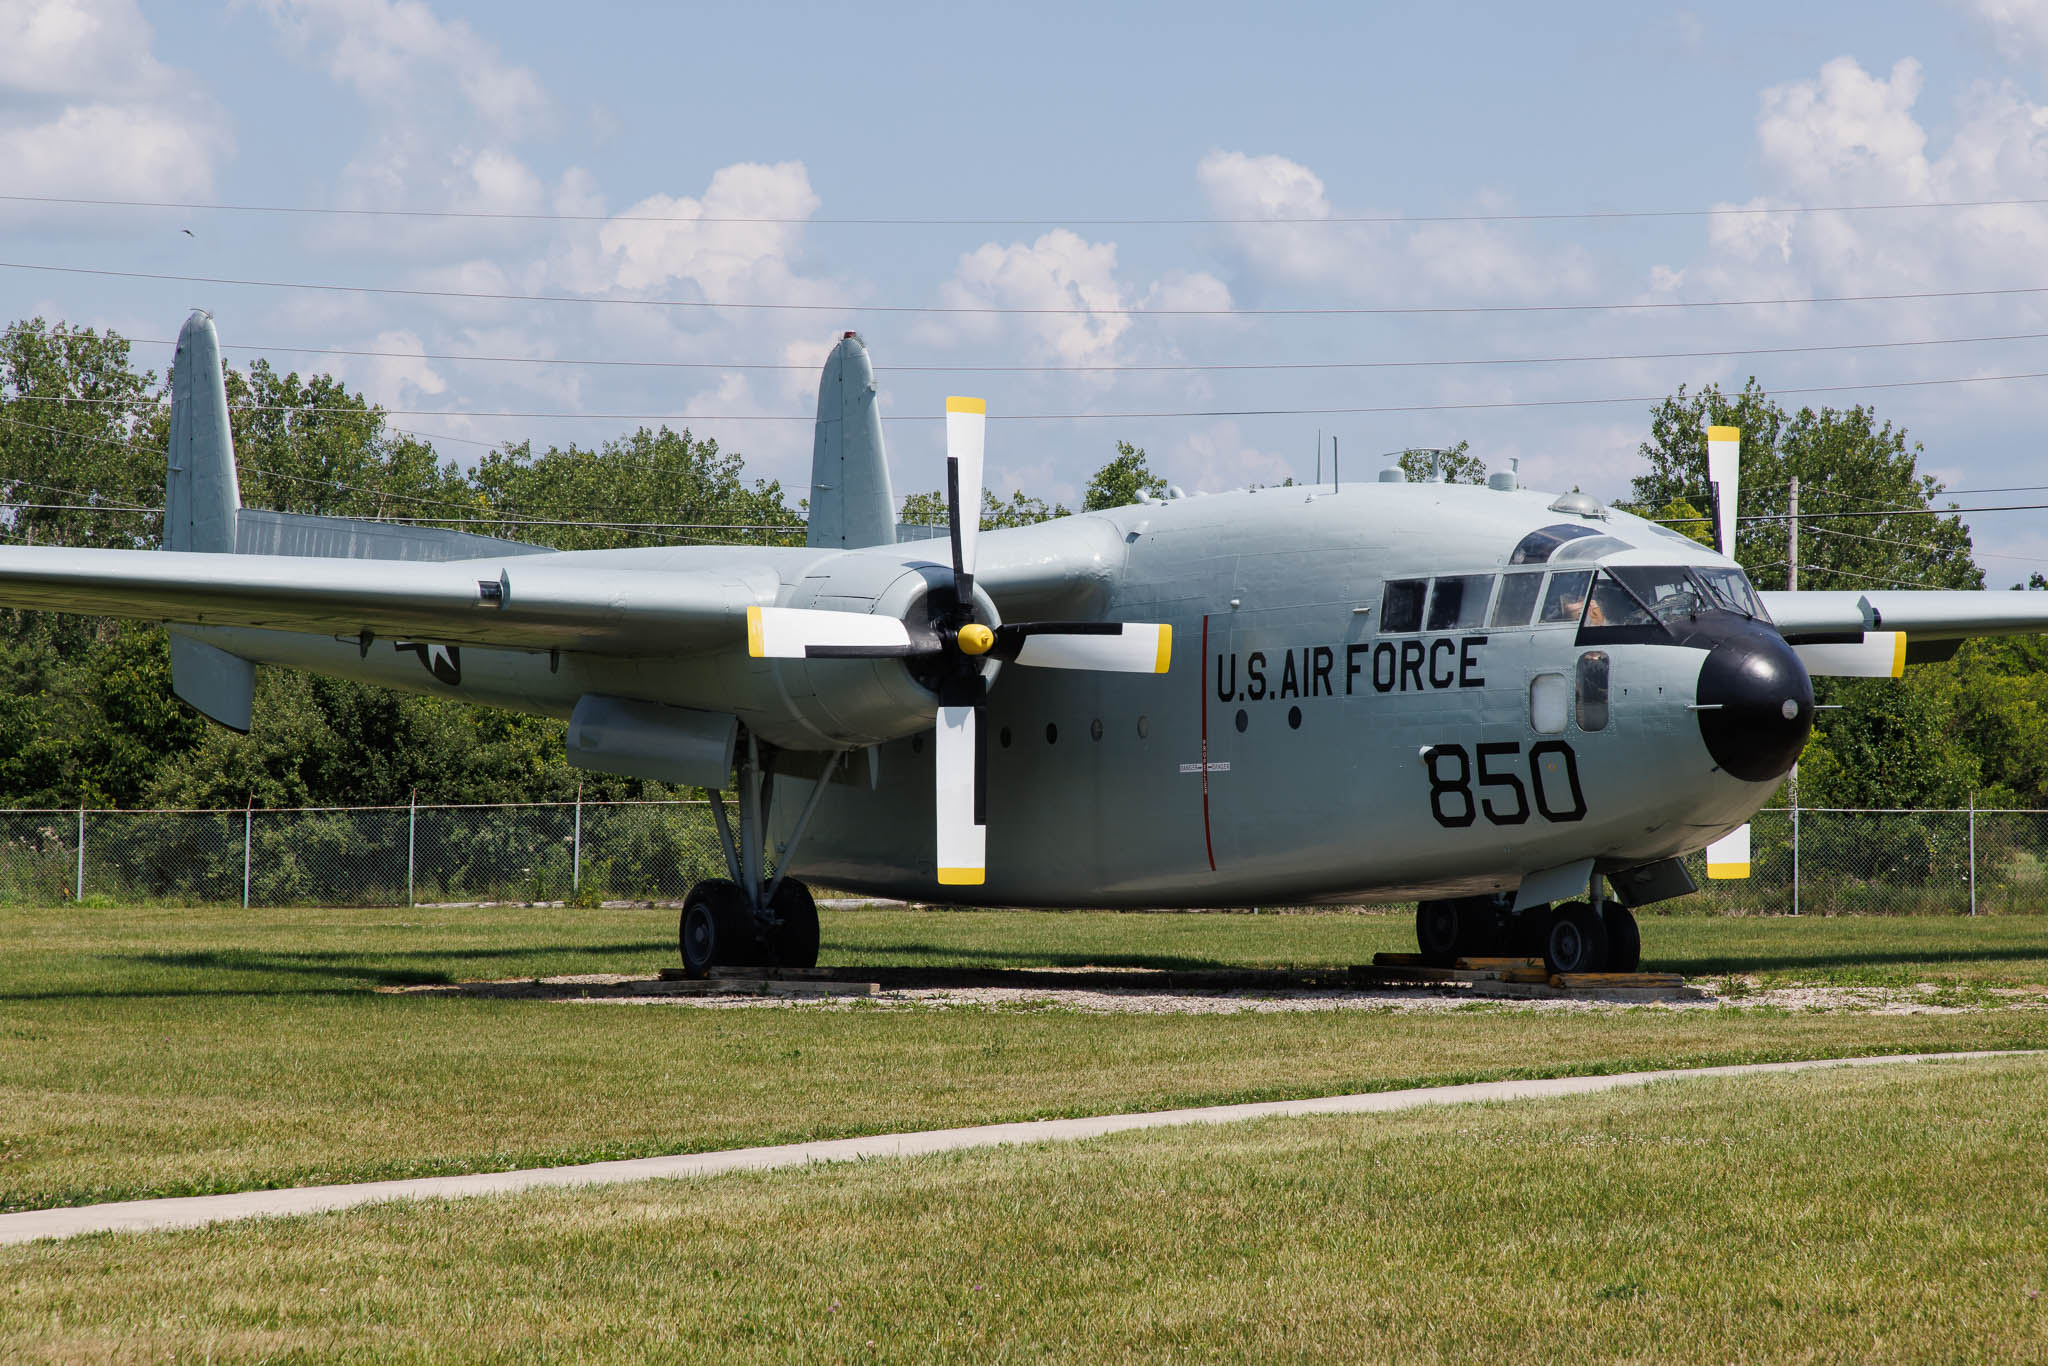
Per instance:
x=1815, y=862
x=360, y=856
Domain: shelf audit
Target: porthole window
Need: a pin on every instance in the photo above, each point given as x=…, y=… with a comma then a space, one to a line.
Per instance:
x=1095, y=729
x=1052, y=733
x=1003, y=737
x=1144, y=727
x=1593, y=671
x=917, y=744
x=1549, y=700
x=1243, y=720
x=1294, y=718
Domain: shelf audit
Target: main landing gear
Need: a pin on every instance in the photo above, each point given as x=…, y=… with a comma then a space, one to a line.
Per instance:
x=750, y=919
x=1599, y=935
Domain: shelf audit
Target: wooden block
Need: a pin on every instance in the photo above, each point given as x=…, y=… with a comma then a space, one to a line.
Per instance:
x=1596, y=980
x=822, y=988
x=1397, y=960
x=1538, y=975
x=1498, y=964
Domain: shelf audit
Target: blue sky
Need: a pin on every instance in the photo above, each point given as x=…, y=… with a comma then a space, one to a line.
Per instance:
x=1062, y=114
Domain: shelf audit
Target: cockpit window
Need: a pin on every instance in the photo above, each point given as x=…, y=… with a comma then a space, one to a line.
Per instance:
x=1565, y=598
x=1589, y=548
x=1459, y=601
x=1538, y=546
x=1731, y=589
x=1401, y=605
x=1613, y=605
x=1671, y=593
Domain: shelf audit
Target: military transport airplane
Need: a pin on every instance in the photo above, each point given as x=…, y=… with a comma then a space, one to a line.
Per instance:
x=1519, y=708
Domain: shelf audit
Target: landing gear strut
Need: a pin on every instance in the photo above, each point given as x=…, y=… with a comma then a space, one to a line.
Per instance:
x=749, y=919
x=1597, y=935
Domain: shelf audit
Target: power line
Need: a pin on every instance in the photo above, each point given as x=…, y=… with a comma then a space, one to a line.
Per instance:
x=1871, y=578
x=1123, y=369
x=688, y=418
x=994, y=310
x=1302, y=220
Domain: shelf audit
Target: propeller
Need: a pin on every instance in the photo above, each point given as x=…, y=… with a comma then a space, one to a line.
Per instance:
x=953, y=650
x=1724, y=473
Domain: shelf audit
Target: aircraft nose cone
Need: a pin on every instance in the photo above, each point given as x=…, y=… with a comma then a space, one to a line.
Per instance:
x=1756, y=706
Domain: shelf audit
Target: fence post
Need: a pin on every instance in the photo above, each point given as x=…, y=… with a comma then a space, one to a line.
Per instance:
x=248, y=823
x=1795, y=839
x=78, y=893
x=1973, y=851
x=412, y=828
x=576, y=854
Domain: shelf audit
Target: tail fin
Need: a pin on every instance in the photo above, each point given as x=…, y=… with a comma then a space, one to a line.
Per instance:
x=202, y=500
x=851, y=502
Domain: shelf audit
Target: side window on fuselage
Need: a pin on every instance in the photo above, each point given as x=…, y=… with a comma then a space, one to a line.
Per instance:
x=1517, y=601
x=1401, y=604
x=1458, y=602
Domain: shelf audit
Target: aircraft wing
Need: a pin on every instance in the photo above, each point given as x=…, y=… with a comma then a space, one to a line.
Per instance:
x=515, y=603
x=1934, y=614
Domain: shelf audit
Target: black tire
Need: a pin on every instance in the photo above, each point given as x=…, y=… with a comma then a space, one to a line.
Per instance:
x=794, y=943
x=1624, y=940
x=1436, y=932
x=1577, y=941
x=1528, y=931
x=713, y=930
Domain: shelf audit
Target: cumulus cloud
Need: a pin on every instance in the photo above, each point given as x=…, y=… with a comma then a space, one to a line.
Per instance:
x=1288, y=240
x=92, y=111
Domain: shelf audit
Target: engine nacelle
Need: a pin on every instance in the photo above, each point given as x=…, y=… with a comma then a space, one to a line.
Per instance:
x=827, y=703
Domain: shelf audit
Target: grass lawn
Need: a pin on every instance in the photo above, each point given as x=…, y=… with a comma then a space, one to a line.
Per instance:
x=190, y=1051
x=1896, y=1214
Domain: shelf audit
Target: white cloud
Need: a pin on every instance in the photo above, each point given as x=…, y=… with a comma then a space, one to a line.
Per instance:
x=2017, y=28
x=1219, y=457
x=1060, y=271
x=724, y=259
x=395, y=52
x=1290, y=242
x=91, y=111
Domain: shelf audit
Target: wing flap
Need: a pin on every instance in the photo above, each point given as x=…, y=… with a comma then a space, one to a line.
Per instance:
x=514, y=603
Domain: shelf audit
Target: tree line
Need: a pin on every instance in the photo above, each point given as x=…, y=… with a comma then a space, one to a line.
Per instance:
x=87, y=715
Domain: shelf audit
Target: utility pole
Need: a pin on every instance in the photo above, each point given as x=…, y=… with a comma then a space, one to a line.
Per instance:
x=1792, y=540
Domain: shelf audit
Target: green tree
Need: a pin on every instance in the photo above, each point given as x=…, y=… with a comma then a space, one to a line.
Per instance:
x=1846, y=461
x=81, y=439
x=1457, y=464
x=1123, y=481
x=929, y=509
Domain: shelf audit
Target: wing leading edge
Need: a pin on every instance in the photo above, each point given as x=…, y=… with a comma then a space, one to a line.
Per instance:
x=1932, y=614
x=515, y=603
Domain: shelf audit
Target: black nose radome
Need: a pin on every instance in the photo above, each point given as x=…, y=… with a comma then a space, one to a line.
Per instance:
x=1755, y=706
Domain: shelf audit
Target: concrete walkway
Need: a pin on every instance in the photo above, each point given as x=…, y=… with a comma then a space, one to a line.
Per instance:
x=194, y=1211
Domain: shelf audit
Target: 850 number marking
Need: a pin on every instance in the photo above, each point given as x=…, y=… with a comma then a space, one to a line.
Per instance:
x=1502, y=795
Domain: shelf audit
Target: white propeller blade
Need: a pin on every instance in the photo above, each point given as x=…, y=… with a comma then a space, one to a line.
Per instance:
x=963, y=838
x=1880, y=654
x=966, y=429
x=1127, y=647
x=1728, y=856
x=794, y=632
x=1724, y=472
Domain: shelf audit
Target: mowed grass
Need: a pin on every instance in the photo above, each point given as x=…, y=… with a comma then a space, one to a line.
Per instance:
x=168, y=1052
x=1893, y=1214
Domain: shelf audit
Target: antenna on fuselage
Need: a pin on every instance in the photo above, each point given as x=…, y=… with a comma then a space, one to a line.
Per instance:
x=1319, y=457
x=1336, y=469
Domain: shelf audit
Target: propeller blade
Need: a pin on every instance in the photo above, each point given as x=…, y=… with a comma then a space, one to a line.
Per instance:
x=1724, y=472
x=966, y=426
x=1728, y=856
x=961, y=761
x=811, y=633
x=1128, y=647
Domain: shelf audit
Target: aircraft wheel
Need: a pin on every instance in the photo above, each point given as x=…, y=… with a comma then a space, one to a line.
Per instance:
x=794, y=943
x=1624, y=940
x=713, y=930
x=1577, y=940
x=1436, y=932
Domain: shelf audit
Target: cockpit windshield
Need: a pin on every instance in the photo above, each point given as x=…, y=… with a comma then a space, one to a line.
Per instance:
x=1653, y=597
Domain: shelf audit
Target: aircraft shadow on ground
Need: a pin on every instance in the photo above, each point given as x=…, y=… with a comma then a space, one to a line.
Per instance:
x=1722, y=964
x=348, y=972
x=956, y=956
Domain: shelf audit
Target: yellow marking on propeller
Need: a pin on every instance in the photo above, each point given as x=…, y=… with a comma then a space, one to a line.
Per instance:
x=1724, y=870
x=755, y=647
x=962, y=877
x=1724, y=433
x=975, y=639
x=967, y=405
x=1165, y=650
x=1898, y=654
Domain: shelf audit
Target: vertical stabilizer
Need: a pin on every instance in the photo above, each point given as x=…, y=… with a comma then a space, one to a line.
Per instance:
x=202, y=499
x=851, y=502
x=202, y=494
